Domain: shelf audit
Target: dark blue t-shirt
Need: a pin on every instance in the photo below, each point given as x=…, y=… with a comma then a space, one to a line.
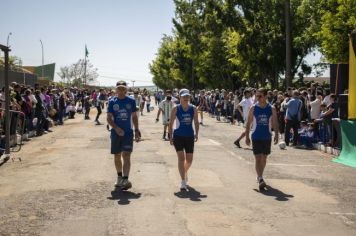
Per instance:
x=184, y=122
x=122, y=110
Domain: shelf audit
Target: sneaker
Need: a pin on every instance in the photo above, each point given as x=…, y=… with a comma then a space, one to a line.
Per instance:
x=237, y=143
x=125, y=184
x=183, y=186
x=262, y=185
x=201, y=123
x=118, y=182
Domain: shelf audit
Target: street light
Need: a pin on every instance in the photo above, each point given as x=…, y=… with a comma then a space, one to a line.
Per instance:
x=133, y=83
x=42, y=59
x=8, y=38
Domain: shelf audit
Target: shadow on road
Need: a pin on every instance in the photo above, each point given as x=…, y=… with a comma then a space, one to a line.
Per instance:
x=273, y=192
x=124, y=197
x=192, y=194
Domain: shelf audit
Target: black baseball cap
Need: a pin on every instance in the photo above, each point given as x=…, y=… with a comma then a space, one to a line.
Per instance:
x=121, y=83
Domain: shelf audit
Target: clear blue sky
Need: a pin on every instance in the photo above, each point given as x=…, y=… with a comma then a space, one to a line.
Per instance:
x=122, y=36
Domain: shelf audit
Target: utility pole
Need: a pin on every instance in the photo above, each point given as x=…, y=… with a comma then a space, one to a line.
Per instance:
x=8, y=38
x=288, y=45
x=6, y=50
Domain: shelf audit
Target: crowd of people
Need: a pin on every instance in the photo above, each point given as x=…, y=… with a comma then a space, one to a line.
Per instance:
x=35, y=109
x=300, y=117
x=304, y=114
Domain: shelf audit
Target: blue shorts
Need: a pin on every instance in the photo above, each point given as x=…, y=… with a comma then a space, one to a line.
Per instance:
x=121, y=143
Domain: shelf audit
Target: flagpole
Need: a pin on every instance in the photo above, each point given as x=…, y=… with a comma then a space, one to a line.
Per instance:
x=85, y=66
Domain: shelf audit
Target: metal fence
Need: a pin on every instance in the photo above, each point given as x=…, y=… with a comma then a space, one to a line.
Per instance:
x=17, y=128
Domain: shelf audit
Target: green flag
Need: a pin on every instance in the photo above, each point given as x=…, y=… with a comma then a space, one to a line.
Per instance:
x=86, y=51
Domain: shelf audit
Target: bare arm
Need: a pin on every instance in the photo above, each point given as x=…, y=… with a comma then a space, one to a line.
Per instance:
x=249, y=121
x=135, y=123
x=158, y=113
x=171, y=121
x=196, y=123
x=240, y=110
x=135, y=120
x=248, y=125
x=110, y=120
x=275, y=124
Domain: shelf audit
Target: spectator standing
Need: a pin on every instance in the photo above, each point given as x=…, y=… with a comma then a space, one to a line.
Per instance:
x=292, y=118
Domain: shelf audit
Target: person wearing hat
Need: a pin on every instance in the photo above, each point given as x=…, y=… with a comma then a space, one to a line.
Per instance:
x=183, y=137
x=121, y=112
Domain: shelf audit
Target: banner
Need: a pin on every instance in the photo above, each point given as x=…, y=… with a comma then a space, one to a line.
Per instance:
x=352, y=77
x=348, y=149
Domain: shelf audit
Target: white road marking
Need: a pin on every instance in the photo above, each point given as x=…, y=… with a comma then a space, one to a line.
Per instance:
x=214, y=142
x=285, y=164
x=340, y=213
x=239, y=157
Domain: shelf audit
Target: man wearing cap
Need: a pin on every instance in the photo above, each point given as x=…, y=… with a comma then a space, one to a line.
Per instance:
x=165, y=107
x=183, y=137
x=121, y=111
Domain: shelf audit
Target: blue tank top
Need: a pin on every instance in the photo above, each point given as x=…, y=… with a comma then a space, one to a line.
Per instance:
x=262, y=122
x=184, y=122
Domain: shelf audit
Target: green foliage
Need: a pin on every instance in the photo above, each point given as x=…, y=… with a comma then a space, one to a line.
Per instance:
x=337, y=22
x=229, y=43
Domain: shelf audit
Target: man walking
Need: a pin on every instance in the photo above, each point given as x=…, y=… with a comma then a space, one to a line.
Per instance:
x=165, y=107
x=245, y=104
x=262, y=116
x=293, y=116
x=121, y=110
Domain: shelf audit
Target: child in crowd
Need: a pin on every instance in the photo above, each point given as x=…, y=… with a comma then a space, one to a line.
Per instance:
x=308, y=137
x=87, y=105
x=79, y=107
x=71, y=110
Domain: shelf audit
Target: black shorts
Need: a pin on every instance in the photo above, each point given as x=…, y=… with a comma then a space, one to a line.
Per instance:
x=121, y=143
x=261, y=147
x=184, y=144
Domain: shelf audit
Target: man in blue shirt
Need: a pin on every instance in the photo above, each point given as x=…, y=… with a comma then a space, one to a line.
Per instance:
x=121, y=117
x=293, y=118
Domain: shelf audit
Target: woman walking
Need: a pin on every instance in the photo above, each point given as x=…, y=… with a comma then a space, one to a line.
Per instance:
x=183, y=137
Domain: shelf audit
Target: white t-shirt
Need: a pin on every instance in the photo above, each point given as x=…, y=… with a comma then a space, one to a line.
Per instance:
x=315, y=109
x=327, y=100
x=246, y=104
x=166, y=107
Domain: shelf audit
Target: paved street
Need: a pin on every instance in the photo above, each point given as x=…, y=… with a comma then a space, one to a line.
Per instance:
x=63, y=186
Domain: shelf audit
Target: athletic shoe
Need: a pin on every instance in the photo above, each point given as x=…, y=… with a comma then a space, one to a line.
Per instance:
x=125, y=184
x=201, y=123
x=262, y=185
x=183, y=186
x=118, y=181
x=237, y=143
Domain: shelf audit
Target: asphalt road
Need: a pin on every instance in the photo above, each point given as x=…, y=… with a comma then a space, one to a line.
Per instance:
x=64, y=186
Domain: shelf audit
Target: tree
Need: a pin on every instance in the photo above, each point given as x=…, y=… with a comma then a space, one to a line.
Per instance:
x=337, y=23
x=75, y=73
x=229, y=43
x=15, y=63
